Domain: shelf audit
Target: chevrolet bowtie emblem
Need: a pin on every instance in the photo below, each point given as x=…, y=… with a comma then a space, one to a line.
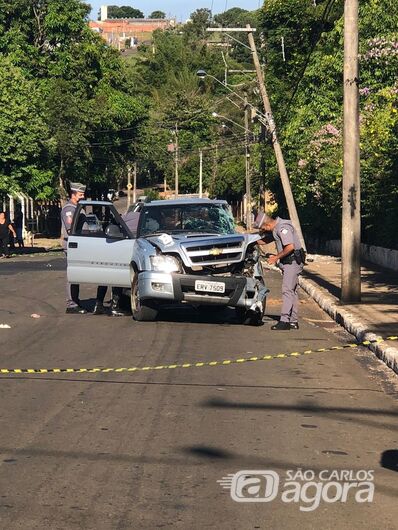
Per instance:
x=216, y=251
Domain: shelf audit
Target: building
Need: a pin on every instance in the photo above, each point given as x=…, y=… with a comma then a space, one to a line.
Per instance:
x=127, y=32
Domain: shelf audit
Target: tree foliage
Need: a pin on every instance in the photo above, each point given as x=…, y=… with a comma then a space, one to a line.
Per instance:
x=70, y=111
x=236, y=17
x=124, y=12
x=181, y=103
x=157, y=14
x=75, y=108
x=306, y=86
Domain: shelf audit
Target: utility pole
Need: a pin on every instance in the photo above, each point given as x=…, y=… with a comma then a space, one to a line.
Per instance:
x=128, y=186
x=275, y=142
x=247, y=167
x=200, y=173
x=135, y=183
x=176, y=163
x=351, y=205
x=214, y=169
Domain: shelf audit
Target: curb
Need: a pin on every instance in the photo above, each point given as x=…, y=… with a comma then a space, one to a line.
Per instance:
x=388, y=354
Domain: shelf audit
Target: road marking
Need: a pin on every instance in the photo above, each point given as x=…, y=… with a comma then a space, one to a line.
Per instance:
x=223, y=362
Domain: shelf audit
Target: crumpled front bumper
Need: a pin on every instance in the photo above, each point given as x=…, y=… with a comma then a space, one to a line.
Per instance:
x=240, y=291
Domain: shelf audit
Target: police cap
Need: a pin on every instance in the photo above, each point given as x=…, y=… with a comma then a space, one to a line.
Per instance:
x=76, y=187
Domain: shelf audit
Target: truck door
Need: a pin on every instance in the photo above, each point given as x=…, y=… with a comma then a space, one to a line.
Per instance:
x=100, y=246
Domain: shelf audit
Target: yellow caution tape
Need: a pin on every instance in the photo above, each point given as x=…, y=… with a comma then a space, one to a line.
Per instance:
x=199, y=364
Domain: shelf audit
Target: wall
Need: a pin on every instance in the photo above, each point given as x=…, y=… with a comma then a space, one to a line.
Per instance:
x=385, y=257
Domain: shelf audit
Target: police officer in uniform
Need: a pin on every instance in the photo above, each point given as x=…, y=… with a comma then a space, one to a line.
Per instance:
x=291, y=258
x=72, y=290
x=68, y=211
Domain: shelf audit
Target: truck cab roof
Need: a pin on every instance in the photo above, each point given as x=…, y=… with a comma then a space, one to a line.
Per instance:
x=181, y=202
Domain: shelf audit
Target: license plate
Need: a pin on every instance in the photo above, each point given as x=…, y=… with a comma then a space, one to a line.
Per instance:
x=209, y=287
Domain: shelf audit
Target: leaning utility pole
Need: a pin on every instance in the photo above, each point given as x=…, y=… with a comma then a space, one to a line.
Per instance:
x=275, y=142
x=351, y=205
x=247, y=168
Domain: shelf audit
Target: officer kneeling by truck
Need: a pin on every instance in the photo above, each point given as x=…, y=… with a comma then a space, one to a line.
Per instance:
x=291, y=258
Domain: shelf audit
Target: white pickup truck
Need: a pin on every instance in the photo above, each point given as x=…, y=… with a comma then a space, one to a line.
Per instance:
x=180, y=251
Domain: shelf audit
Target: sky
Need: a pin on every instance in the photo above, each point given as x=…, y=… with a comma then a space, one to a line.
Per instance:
x=180, y=9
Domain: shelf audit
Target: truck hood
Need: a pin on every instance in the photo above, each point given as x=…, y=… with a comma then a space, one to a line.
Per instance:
x=204, y=249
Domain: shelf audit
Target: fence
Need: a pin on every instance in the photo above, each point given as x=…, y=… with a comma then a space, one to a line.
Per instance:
x=32, y=216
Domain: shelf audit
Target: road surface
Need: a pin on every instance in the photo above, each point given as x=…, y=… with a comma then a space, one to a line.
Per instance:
x=146, y=449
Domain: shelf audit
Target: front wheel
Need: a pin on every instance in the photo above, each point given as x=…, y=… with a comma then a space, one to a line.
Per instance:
x=250, y=318
x=143, y=310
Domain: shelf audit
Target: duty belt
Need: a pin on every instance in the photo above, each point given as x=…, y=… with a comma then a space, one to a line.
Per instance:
x=297, y=256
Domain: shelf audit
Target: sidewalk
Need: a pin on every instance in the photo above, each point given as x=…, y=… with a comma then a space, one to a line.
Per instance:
x=377, y=314
x=40, y=245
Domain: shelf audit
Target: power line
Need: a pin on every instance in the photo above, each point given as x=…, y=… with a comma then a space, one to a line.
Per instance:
x=325, y=14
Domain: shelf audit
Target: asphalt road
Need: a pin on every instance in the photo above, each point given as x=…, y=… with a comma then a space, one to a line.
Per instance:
x=145, y=450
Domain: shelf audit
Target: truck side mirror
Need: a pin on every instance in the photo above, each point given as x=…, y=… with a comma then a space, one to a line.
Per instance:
x=114, y=232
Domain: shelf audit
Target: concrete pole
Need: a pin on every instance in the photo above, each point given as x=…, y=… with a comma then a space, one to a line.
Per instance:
x=135, y=183
x=128, y=186
x=351, y=205
x=176, y=163
x=200, y=173
x=23, y=208
x=12, y=208
x=291, y=205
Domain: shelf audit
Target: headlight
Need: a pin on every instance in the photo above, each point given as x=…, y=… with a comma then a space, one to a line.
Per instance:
x=162, y=263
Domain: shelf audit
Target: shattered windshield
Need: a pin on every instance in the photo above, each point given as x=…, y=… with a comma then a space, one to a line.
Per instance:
x=200, y=218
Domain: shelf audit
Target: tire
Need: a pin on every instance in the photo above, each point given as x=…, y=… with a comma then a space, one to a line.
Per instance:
x=250, y=318
x=142, y=310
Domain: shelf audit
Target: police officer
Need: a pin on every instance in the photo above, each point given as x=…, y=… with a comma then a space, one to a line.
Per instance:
x=72, y=290
x=291, y=258
x=68, y=211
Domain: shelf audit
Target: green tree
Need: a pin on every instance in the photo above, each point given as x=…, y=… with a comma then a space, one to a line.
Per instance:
x=23, y=133
x=124, y=12
x=81, y=98
x=198, y=22
x=307, y=97
x=236, y=17
x=157, y=14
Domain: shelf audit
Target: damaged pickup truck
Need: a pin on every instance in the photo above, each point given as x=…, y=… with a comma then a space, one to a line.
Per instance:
x=181, y=251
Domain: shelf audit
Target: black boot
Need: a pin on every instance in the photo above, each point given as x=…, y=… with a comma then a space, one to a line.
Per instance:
x=281, y=326
x=115, y=309
x=99, y=309
x=75, y=310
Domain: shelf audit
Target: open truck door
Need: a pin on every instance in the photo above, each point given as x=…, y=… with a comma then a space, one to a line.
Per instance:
x=100, y=246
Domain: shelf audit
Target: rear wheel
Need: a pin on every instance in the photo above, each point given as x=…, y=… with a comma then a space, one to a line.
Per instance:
x=143, y=310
